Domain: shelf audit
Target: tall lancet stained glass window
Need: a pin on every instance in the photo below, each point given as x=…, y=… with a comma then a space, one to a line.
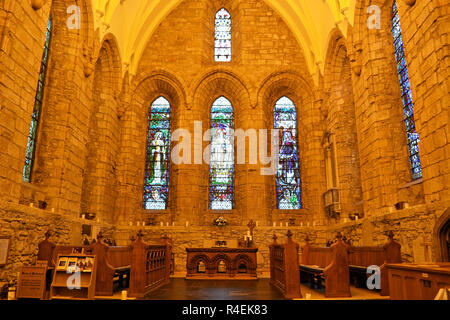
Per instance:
x=222, y=36
x=157, y=165
x=37, y=109
x=221, y=173
x=408, y=104
x=287, y=176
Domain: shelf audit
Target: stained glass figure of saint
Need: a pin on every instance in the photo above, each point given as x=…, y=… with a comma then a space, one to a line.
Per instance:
x=156, y=184
x=287, y=176
x=221, y=190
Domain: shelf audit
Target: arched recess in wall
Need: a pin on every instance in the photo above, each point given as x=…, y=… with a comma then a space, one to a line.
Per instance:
x=100, y=179
x=441, y=237
x=290, y=84
x=343, y=194
x=132, y=156
x=65, y=95
x=206, y=90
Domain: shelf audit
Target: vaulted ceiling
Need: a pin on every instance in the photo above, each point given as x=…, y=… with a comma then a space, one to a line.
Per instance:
x=133, y=22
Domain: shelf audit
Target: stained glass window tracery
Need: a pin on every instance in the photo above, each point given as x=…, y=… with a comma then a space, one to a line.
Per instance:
x=222, y=36
x=408, y=104
x=287, y=176
x=36, y=117
x=157, y=165
x=221, y=173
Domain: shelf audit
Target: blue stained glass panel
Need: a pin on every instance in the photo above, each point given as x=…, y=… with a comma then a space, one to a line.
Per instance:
x=35, y=118
x=157, y=165
x=287, y=177
x=221, y=173
x=408, y=105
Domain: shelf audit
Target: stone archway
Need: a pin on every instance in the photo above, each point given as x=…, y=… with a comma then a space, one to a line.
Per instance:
x=442, y=237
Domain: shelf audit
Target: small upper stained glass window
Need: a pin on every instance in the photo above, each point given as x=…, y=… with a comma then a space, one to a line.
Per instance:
x=222, y=36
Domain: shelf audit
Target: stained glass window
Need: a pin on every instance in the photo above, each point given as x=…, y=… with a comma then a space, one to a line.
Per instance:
x=221, y=173
x=408, y=104
x=287, y=176
x=222, y=37
x=156, y=184
x=35, y=118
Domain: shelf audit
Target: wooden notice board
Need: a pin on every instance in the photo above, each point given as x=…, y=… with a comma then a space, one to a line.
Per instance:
x=32, y=281
x=4, y=248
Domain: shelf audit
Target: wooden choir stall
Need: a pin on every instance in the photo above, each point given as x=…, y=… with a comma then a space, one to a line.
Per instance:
x=409, y=281
x=284, y=273
x=360, y=258
x=140, y=267
x=328, y=265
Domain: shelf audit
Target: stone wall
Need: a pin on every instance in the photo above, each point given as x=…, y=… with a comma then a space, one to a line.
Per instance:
x=26, y=226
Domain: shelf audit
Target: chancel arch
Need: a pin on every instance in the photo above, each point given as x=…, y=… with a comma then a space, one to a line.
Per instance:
x=343, y=193
x=100, y=179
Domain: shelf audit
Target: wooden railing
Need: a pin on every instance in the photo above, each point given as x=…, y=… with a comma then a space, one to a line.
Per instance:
x=150, y=266
x=284, y=274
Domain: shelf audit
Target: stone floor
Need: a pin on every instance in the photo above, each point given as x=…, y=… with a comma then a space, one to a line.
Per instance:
x=181, y=289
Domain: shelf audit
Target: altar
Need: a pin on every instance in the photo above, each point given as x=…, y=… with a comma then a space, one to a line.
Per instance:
x=221, y=263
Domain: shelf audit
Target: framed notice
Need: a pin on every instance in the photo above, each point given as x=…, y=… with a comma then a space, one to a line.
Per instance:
x=4, y=249
x=31, y=282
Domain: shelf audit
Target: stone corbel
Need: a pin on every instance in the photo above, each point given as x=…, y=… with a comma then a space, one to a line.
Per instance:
x=37, y=4
x=356, y=58
x=409, y=2
x=88, y=64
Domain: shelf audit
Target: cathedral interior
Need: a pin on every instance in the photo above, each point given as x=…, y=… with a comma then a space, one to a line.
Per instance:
x=221, y=123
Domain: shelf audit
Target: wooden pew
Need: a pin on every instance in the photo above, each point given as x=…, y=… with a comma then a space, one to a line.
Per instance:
x=150, y=266
x=409, y=281
x=284, y=273
x=362, y=257
x=112, y=262
x=328, y=264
